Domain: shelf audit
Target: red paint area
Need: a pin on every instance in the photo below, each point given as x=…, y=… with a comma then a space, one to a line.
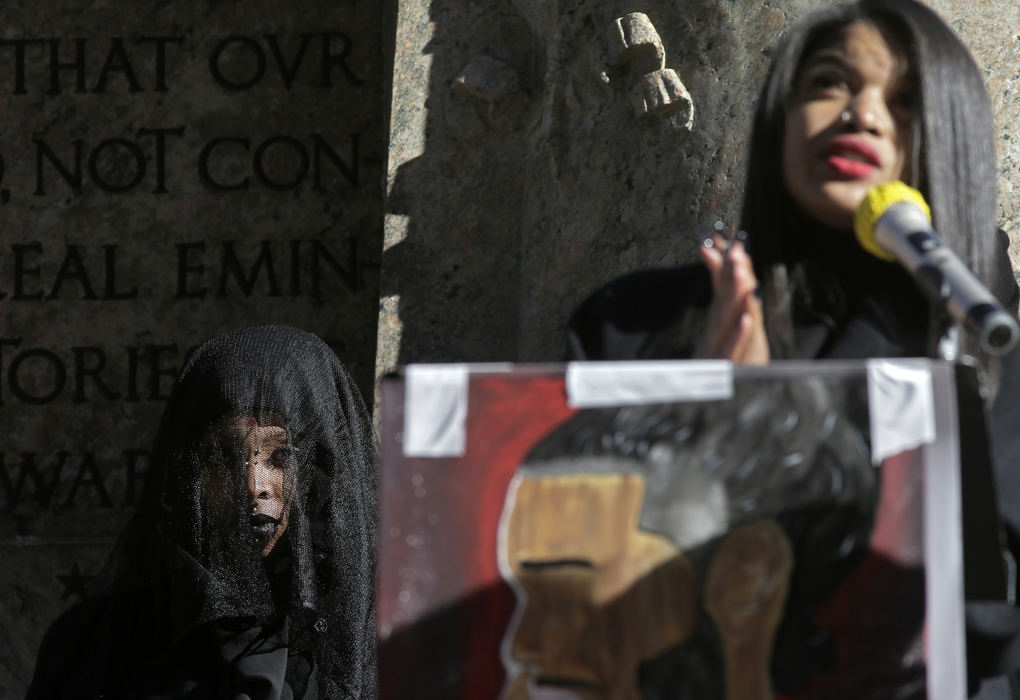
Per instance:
x=438, y=529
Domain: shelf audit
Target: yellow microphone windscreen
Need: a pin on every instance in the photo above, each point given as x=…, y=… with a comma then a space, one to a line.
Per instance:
x=875, y=204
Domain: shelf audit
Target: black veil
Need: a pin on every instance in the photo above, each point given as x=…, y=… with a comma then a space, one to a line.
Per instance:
x=188, y=596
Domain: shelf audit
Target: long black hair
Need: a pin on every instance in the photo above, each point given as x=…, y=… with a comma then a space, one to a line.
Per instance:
x=954, y=167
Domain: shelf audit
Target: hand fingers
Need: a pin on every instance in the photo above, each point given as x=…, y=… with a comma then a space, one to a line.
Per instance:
x=739, y=271
x=745, y=340
x=756, y=348
x=734, y=328
x=723, y=332
x=728, y=265
x=713, y=257
x=732, y=281
x=735, y=346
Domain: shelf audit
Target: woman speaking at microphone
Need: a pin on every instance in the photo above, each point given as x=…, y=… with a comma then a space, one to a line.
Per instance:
x=857, y=95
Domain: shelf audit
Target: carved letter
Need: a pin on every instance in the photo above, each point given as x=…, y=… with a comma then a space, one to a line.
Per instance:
x=19, y=60
x=43, y=149
x=232, y=266
x=94, y=479
x=160, y=135
x=59, y=376
x=43, y=491
x=20, y=271
x=320, y=148
x=296, y=147
x=161, y=42
x=117, y=60
x=256, y=51
x=73, y=268
x=110, y=252
x=184, y=268
x=101, y=179
x=81, y=371
x=77, y=65
x=288, y=72
x=203, y=164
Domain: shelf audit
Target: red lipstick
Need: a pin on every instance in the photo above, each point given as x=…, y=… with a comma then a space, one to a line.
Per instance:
x=852, y=157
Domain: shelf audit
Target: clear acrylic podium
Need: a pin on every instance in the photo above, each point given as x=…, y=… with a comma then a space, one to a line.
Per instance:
x=682, y=529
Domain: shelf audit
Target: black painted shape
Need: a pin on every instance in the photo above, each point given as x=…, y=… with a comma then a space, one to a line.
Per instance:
x=984, y=570
x=74, y=582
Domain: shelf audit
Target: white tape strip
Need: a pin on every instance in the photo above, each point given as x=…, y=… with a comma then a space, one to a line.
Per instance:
x=901, y=406
x=435, y=410
x=594, y=384
x=943, y=551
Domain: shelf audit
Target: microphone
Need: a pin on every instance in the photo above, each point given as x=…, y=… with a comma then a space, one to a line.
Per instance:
x=894, y=223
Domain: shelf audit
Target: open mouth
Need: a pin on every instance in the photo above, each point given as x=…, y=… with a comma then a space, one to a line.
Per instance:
x=852, y=158
x=560, y=688
x=563, y=682
x=264, y=525
x=850, y=167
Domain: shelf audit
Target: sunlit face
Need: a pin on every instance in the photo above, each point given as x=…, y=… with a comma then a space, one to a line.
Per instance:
x=596, y=595
x=849, y=124
x=268, y=479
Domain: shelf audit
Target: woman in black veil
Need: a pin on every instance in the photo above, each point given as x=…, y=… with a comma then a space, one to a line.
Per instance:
x=248, y=571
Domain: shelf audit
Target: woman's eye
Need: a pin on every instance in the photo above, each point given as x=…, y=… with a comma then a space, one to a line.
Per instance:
x=280, y=458
x=825, y=80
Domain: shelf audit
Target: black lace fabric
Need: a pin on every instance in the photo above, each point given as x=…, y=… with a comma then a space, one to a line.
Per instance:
x=248, y=570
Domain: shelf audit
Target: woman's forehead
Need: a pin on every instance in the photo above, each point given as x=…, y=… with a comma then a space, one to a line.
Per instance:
x=268, y=427
x=860, y=42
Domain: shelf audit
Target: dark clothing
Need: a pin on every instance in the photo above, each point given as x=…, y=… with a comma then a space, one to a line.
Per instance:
x=110, y=652
x=659, y=314
x=191, y=603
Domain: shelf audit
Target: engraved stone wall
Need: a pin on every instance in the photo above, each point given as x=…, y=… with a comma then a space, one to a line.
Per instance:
x=167, y=171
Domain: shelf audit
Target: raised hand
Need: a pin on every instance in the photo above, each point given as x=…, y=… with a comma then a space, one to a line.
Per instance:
x=735, y=329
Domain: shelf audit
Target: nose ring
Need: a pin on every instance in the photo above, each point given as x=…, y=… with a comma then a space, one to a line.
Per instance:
x=845, y=116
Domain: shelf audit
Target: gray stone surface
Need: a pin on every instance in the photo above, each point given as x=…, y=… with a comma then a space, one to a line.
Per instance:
x=992, y=31
x=97, y=304
x=500, y=218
